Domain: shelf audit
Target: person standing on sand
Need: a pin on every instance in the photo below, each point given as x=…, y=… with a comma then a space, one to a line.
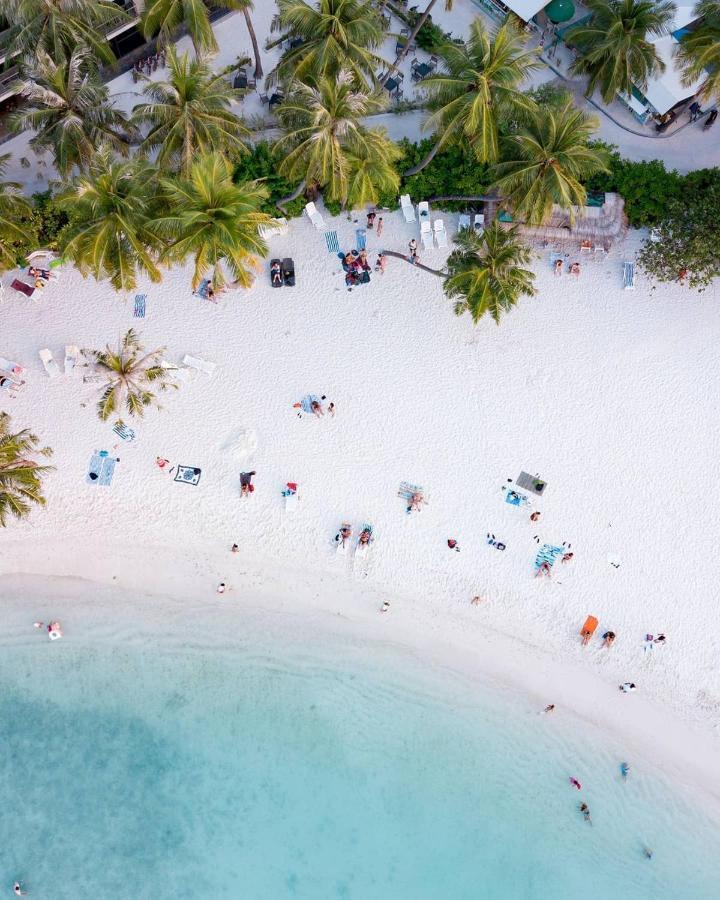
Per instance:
x=386, y=606
x=412, y=246
x=476, y=600
x=331, y=410
x=221, y=587
x=234, y=548
x=379, y=228
x=549, y=708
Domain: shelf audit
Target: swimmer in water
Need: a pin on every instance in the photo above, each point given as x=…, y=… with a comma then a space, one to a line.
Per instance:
x=549, y=708
x=575, y=783
x=648, y=853
x=624, y=769
x=18, y=891
x=585, y=810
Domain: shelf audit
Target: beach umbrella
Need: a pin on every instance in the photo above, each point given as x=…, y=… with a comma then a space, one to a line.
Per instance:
x=560, y=11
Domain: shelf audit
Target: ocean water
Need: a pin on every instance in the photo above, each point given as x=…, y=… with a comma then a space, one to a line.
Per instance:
x=146, y=767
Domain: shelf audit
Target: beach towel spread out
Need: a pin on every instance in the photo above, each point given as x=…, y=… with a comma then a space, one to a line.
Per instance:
x=307, y=401
x=101, y=469
x=124, y=432
x=139, y=312
x=360, y=236
x=188, y=474
x=406, y=489
x=515, y=499
x=548, y=554
x=331, y=239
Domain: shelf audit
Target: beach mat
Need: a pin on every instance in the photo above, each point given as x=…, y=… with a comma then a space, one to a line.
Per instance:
x=139, y=311
x=188, y=474
x=124, y=432
x=406, y=489
x=360, y=238
x=331, y=239
x=307, y=401
x=515, y=499
x=548, y=554
x=101, y=469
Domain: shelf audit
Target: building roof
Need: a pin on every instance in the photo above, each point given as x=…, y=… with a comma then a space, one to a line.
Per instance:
x=683, y=16
x=526, y=9
x=667, y=89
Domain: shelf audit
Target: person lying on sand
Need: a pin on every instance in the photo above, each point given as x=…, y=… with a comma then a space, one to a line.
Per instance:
x=549, y=708
x=416, y=501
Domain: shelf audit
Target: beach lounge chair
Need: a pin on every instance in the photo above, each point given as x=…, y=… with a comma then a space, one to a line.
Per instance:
x=479, y=223
x=51, y=367
x=440, y=233
x=275, y=226
x=407, y=208
x=21, y=286
x=423, y=210
x=201, y=365
x=629, y=276
x=72, y=355
x=288, y=272
x=315, y=217
x=426, y=234
x=586, y=246
x=463, y=221
x=588, y=629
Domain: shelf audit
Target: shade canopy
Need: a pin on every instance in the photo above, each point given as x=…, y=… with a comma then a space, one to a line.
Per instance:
x=560, y=11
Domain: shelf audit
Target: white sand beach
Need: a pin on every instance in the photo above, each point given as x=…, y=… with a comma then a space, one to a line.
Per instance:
x=606, y=394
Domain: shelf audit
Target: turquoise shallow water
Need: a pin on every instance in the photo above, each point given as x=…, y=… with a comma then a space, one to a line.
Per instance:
x=141, y=768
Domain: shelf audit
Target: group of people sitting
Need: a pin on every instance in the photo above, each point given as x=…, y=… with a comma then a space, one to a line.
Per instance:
x=357, y=268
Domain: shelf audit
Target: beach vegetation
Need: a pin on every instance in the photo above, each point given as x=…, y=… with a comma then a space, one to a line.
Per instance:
x=189, y=114
x=246, y=7
x=477, y=89
x=21, y=474
x=110, y=210
x=685, y=245
x=15, y=212
x=132, y=377
x=486, y=272
x=58, y=27
x=451, y=172
x=615, y=45
x=326, y=146
x=330, y=36
x=547, y=161
x=165, y=18
x=261, y=164
x=70, y=111
x=699, y=51
x=215, y=221
x=420, y=22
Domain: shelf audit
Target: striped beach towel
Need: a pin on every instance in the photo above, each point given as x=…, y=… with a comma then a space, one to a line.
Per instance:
x=123, y=431
x=139, y=312
x=406, y=490
x=360, y=238
x=548, y=554
x=331, y=239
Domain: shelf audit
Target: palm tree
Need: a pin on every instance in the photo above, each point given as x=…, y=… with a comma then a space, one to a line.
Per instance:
x=478, y=90
x=110, y=209
x=70, y=111
x=215, y=221
x=699, y=52
x=335, y=35
x=486, y=272
x=189, y=114
x=164, y=18
x=20, y=477
x=615, y=50
x=14, y=211
x=547, y=162
x=372, y=171
x=422, y=19
x=246, y=7
x=323, y=128
x=58, y=26
x=130, y=374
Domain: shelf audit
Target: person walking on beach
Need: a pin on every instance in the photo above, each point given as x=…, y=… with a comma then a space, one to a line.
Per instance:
x=234, y=549
x=331, y=410
x=608, y=639
x=476, y=600
x=549, y=708
x=385, y=607
x=379, y=228
x=380, y=263
x=534, y=516
x=371, y=216
x=412, y=246
x=221, y=587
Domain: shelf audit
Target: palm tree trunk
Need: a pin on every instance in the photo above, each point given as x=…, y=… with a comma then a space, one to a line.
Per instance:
x=416, y=264
x=406, y=49
x=256, y=49
x=295, y=194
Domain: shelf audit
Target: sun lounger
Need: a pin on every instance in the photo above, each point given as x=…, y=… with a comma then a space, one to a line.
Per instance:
x=407, y=208
x=479, y=223
x=275, y=226
x=629, y=276
x=182, y=373
x=315, y=217
x=586, y=246
x=21, y=286
x=51, y=367
x=72, y=355
x=463, y=221
x=588, y=629
x=426, y=234
x=423, y=210
x=440, y=233
x=531, y=483
x=200, y=364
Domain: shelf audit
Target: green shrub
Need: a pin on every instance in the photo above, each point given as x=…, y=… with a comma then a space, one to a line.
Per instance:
x=49, y=220
x=261, y=164
x=451, y=172
x=430, y=37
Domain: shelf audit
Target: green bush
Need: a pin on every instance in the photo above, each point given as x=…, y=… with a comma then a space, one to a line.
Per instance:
x=430, y=37
x=49, y=220
x=451, y=172
x=261, y=164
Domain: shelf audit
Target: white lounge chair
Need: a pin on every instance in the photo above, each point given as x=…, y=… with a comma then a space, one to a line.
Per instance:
x=276, y=226
x=182, y=373
x=629, y=276
x=426, y=234
x=407, y=208
x=315, y=217
x=423, y=210
x=479, y=223
x=51, y=367
x=72, y=355
x=463, y=221
x=440, y=233
x=201, y=365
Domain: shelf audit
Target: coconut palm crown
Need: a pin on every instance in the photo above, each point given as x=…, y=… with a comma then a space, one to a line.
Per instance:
x=14, y=209
x=20, y=476
x=699, y=52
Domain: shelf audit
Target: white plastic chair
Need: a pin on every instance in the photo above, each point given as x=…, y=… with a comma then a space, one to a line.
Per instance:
x=276, y=226
x=424, y=209
x=315, y=217
x=51, y=367
x=426, y=234
x=440, y=233
x=201, y=365
x=479, y=223
x=463, y=221
x=407, y=208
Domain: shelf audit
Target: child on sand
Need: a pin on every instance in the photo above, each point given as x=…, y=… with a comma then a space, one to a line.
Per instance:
x=379, y=226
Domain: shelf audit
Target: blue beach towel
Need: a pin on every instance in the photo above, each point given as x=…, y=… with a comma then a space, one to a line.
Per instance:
x=139, y=312
x=331, y=239
x=548, y=554
x=306, y=402
x=360, y=236
x=515, y=499
x=101, y=469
